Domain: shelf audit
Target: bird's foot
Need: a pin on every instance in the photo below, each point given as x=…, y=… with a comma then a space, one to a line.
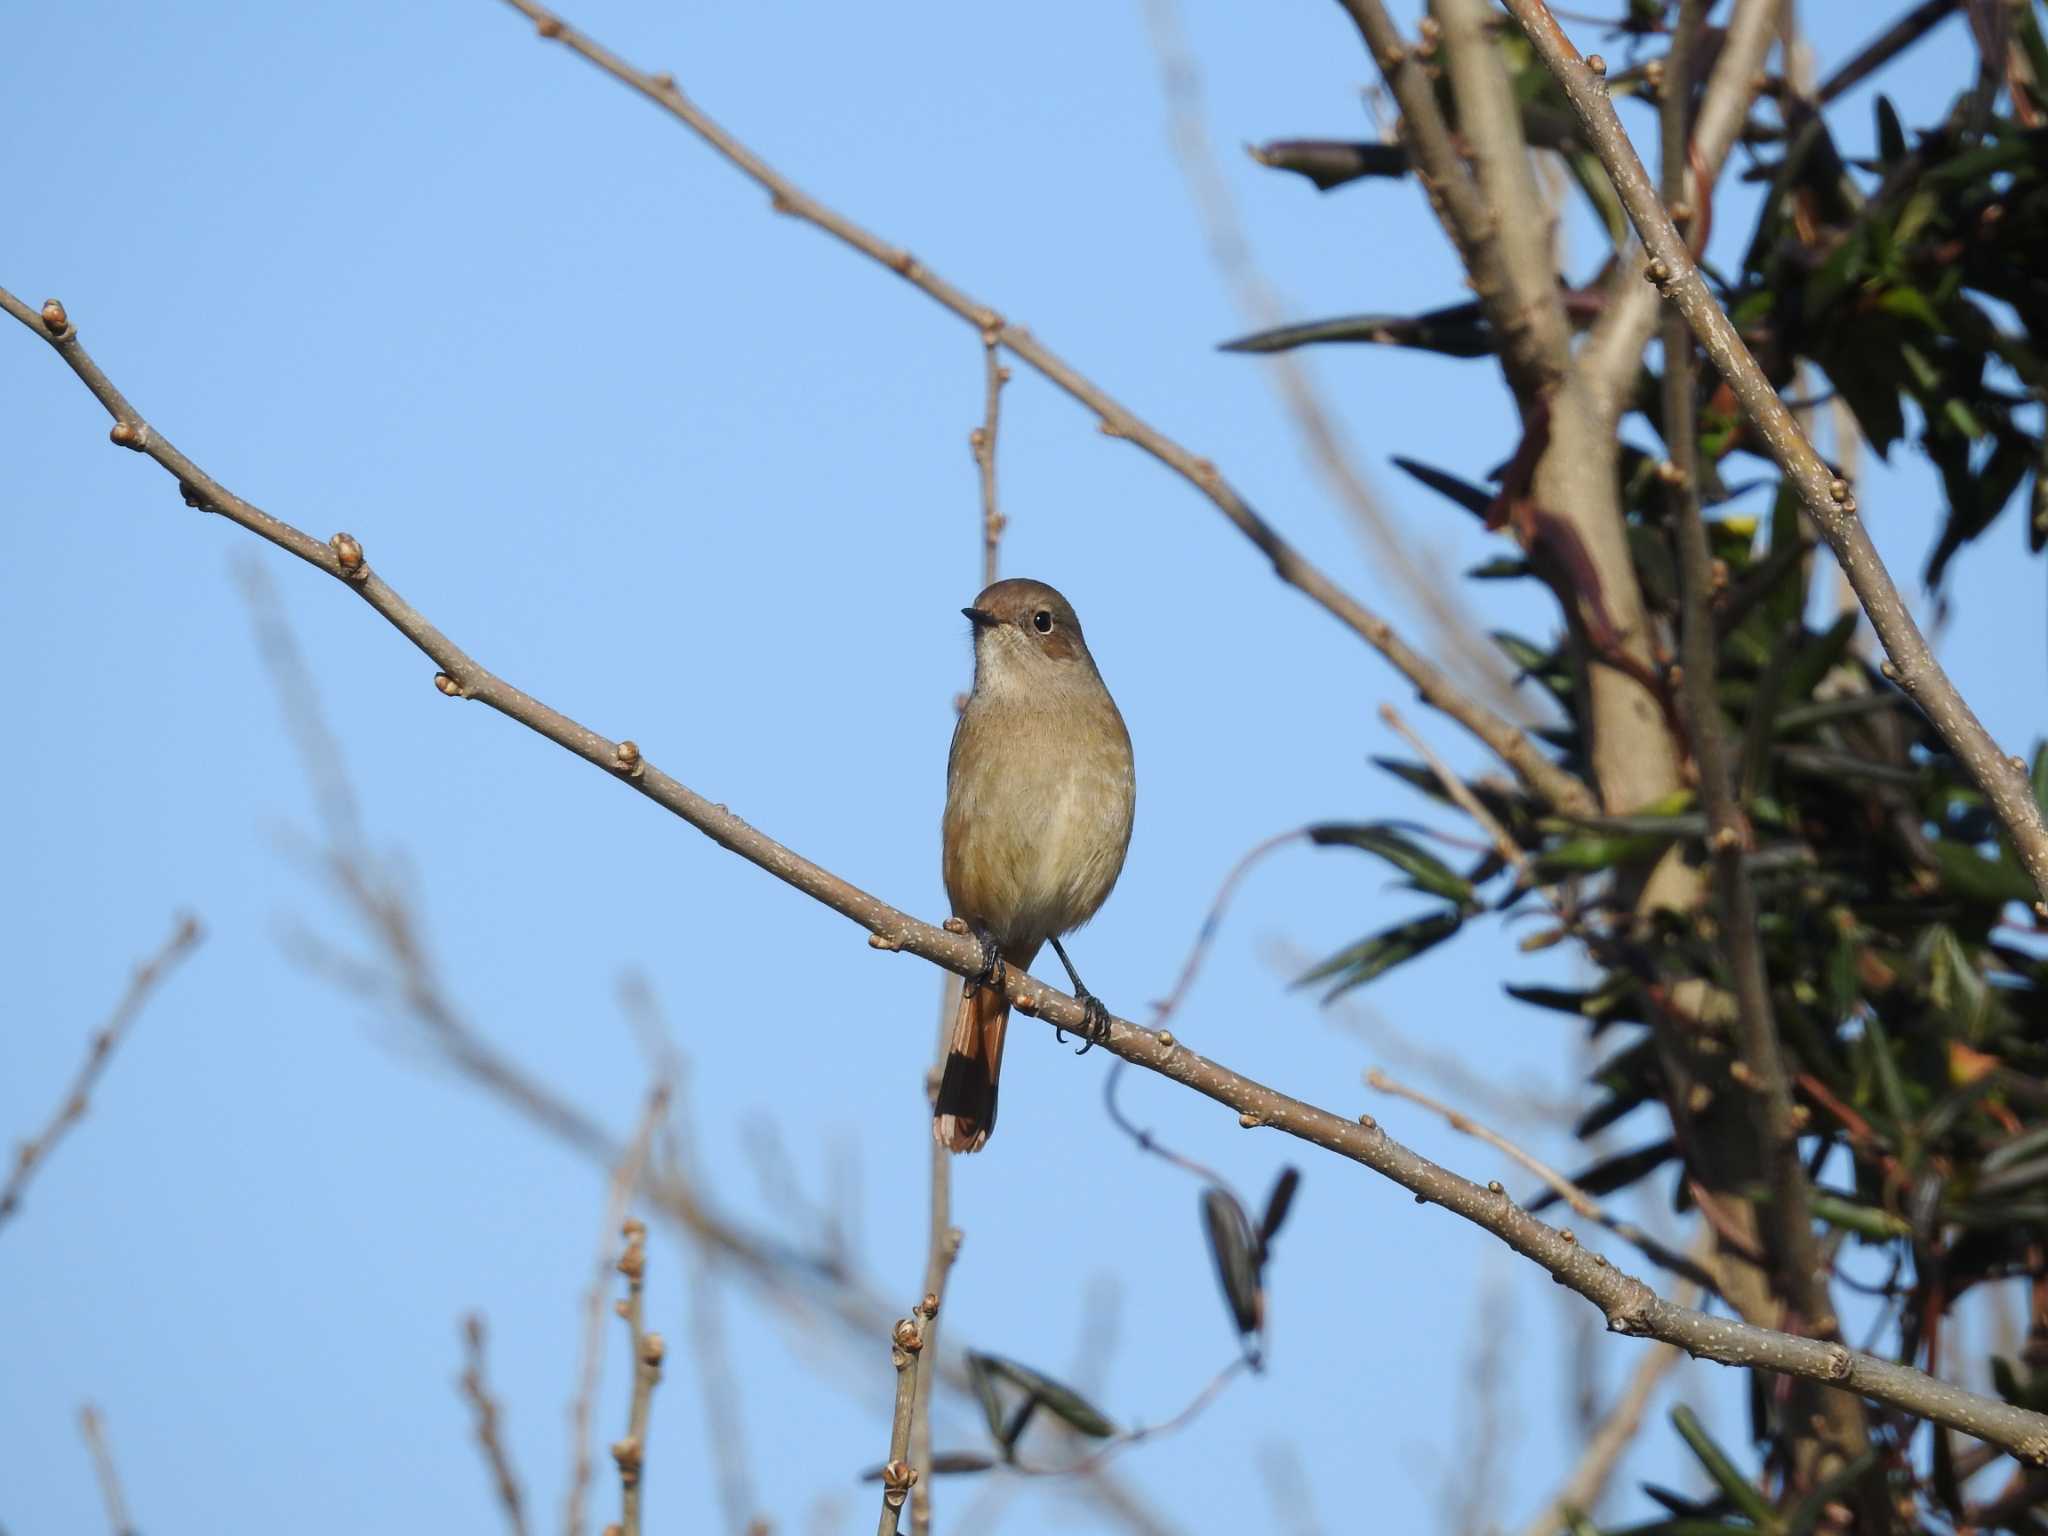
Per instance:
x=991, y=972
x=1094, y=1023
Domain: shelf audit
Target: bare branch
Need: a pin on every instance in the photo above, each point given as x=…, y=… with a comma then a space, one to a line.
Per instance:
x=1557, y=786
x=1628, y=1305
x=31, y=1155
x=1829, y=501
x=983, y=441
x=1613, y=353
x=478, y=1393
x=942, y=1246
x=898, y=1475
x=630, y=1453
x=625, y=1179
x=95, y=1431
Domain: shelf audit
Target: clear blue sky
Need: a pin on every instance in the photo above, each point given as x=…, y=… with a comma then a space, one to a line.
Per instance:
x=698, y=476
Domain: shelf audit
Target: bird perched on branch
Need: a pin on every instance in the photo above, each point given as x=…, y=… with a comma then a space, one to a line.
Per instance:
x=1039, y=798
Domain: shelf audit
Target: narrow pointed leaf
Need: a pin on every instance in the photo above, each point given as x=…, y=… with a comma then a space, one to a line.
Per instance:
x=1741, y=1492
x=1425, y=869
x=1457, y=331
x=1057, y=1397
x=1277, y=1204
x=1472, y=498
x=1236, y=1253
x=1375, y=956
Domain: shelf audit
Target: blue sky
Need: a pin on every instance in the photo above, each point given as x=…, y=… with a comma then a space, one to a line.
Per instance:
x=698, y=476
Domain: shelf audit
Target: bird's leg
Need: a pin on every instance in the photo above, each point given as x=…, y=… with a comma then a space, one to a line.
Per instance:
x=991, y=972
x=1095, y=1026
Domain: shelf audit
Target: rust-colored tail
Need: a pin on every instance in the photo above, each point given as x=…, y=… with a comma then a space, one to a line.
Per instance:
x=964, y=1112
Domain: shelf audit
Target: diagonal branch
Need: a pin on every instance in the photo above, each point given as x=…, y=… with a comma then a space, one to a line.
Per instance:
x=1613, y=353
x=31, y=1155
x=1827, y=500
x=1558, y=787
x=1629, y=1306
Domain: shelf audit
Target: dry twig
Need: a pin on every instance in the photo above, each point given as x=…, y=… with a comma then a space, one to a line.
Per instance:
x=32, y=1154
x=625, y=1179
x=478, y=1392
x=630, y=1453
x=95, y=1431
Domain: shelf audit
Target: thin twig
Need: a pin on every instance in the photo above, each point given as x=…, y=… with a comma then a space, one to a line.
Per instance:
x=95, y=1431
x=983, y=441
x=1660, y=1254
x=898, y=1475
x=1462, y=796
x=1829, y=501
x=477, y=1390
x=32, y=1154
x=942, y=1247
x=1557, y=786
x=1629, y=1305
x=630, y=1453
x=625, y=1179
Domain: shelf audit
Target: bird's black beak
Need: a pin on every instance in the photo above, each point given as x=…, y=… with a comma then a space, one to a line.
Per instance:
x=980, y=618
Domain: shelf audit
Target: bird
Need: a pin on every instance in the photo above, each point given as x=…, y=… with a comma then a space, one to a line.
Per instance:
x=1040, y=795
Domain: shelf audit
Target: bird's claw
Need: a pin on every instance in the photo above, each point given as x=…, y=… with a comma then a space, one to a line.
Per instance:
x=1094, y=1023
x=991, y=971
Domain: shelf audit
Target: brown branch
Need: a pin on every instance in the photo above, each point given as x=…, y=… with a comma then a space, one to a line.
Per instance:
x=1490, y=129
x=1827, y=500
x=1628, y=1305
x=898, y=1475
x=630, y=1453
x=32, y=1154
x=1797, y=1273
x=477, y=1391
x=1658, y=1253
x=1557, y=786
x=1462, y=796
x=625, y=1179
x=1613, y=353
x=942, y=1246
x=983, y=441
x=95, y=1431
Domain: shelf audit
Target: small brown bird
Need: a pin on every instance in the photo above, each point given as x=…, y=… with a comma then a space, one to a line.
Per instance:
x=1039, y=797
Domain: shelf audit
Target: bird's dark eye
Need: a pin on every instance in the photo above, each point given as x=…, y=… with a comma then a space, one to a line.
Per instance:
x=1042, y=621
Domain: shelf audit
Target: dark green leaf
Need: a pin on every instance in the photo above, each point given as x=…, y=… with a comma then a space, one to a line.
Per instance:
x=1472, y=498
x=1891, y=138
x=1613, y=1173
x=1375, y=956
x=1277, y=1204
x=1587, y=854
x=1459, y=330
x=1235, y=1251
x=984, y=1381
x=1428, y=872
x=1058, y=1398
x=1739, y=1490
x=1332, y=162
